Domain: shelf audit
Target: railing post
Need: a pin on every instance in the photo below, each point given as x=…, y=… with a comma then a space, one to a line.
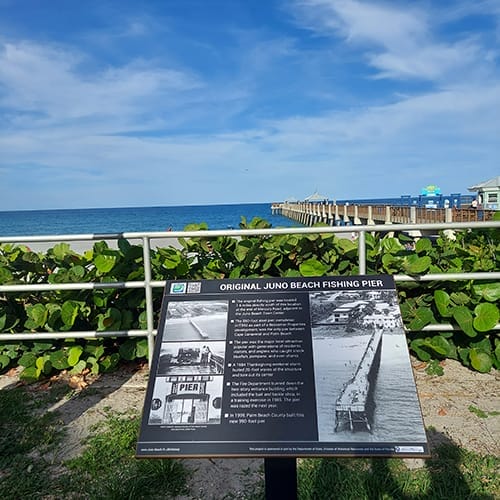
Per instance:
x=388, y=218
x=413, y=214
x=448, y=215
x=149, y=296
x=362, y=252
x=370, y=216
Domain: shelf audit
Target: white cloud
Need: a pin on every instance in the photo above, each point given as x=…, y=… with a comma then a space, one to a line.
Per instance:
x=398, y=40
x=46, y=82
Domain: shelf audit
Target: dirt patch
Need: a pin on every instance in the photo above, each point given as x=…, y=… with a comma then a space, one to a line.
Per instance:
x=459, y=406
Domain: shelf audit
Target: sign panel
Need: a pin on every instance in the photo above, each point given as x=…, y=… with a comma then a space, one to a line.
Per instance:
x=281, y=366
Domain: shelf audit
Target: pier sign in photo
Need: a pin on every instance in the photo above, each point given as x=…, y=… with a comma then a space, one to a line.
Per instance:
x=281, y=367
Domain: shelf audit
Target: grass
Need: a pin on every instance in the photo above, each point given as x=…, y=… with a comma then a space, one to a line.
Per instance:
x=452, y=473
x=107, y=468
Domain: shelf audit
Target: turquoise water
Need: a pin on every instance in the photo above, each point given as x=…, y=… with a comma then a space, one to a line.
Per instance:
x=137, y=219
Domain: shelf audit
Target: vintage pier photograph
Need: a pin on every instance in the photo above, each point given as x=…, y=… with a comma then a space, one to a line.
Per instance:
x=365, y=391
x=191, y=358
x=196, y=320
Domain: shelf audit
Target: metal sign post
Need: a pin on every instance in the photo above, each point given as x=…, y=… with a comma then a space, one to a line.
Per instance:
x=281, y=478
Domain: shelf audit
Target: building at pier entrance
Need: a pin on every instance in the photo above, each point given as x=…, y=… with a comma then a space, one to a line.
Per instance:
x=488, y=193
x=179, y=400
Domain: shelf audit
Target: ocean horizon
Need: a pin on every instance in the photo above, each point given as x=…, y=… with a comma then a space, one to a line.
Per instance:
x=133, y=219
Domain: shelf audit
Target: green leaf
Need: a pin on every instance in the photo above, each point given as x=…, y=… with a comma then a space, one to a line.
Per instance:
x=142, y=348
x=196, y=227
x=39, y=347
x=171, y=258
x=416, y=346
x=38, y=315
x=111, y=320
x=59, y=360
x=109, y=362
x=105, y=262
x=392, y=245
x=463, y=317
x=95, y=349
x=312, y=267
x=79, y=367
x=442, y=301
x=124, y=245
x=94, y=365
x=489, y=291
x=413, y=264
x=463, y=353
x=74, y=355
x=128, y=350
x=27, y=359
x=76, y=273
x=423, y=245
x=5, y=276
x=391, y=263
x=487, y=317
x=434, y=368
x=61, y=250
x=440, y=345
x=480, y=360
x=459, y=298
x=4, y=361
x=43, y=364
x=30, y=374
x=347, y=246
x=422, y=317
x=242, y=249
x=69, y=312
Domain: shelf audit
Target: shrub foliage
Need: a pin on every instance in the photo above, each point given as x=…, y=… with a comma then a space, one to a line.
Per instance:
x=470, y=305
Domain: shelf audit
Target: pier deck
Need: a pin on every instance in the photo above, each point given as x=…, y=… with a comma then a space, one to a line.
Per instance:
x=354, y=408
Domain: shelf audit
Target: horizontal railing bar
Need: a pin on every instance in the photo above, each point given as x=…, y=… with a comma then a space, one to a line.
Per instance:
x=252, y=232
x=447, y=276
x=160, y=284
x=89, y=334
x=445, y=327
x=41, y=287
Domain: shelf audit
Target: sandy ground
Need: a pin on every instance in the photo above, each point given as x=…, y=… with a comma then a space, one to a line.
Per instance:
x=445, y=403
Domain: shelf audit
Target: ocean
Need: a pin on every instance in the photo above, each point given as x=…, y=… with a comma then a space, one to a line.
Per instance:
x=133, y=219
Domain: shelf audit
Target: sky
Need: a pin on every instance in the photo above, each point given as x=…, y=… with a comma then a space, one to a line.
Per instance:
x=124, y=103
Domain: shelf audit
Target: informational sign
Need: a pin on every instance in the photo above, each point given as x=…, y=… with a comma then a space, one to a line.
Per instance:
x=281, y=367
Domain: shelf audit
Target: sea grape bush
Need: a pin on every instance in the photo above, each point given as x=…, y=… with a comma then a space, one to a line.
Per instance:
x=470, y=305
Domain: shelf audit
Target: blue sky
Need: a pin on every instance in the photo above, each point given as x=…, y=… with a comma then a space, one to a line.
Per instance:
x=173, y=102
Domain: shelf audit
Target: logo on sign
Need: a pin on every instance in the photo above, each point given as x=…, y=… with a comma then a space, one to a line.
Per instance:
x=178, y=288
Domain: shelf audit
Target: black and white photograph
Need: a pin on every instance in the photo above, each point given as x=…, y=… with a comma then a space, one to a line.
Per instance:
x=191, y=358
x=181, y=400
x=196, y=320
x=365, y=390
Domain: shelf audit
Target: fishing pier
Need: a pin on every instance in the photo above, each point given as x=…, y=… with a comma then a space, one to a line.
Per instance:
x=355, y=405
x=332, y=214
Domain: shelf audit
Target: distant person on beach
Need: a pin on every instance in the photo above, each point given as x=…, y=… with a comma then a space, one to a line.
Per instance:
x=474, y=203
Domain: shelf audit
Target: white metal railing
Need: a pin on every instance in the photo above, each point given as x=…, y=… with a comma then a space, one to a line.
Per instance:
x=148, y=284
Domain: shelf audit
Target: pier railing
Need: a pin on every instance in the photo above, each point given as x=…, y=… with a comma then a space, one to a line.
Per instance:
x=148, y=284
x=338, y=215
